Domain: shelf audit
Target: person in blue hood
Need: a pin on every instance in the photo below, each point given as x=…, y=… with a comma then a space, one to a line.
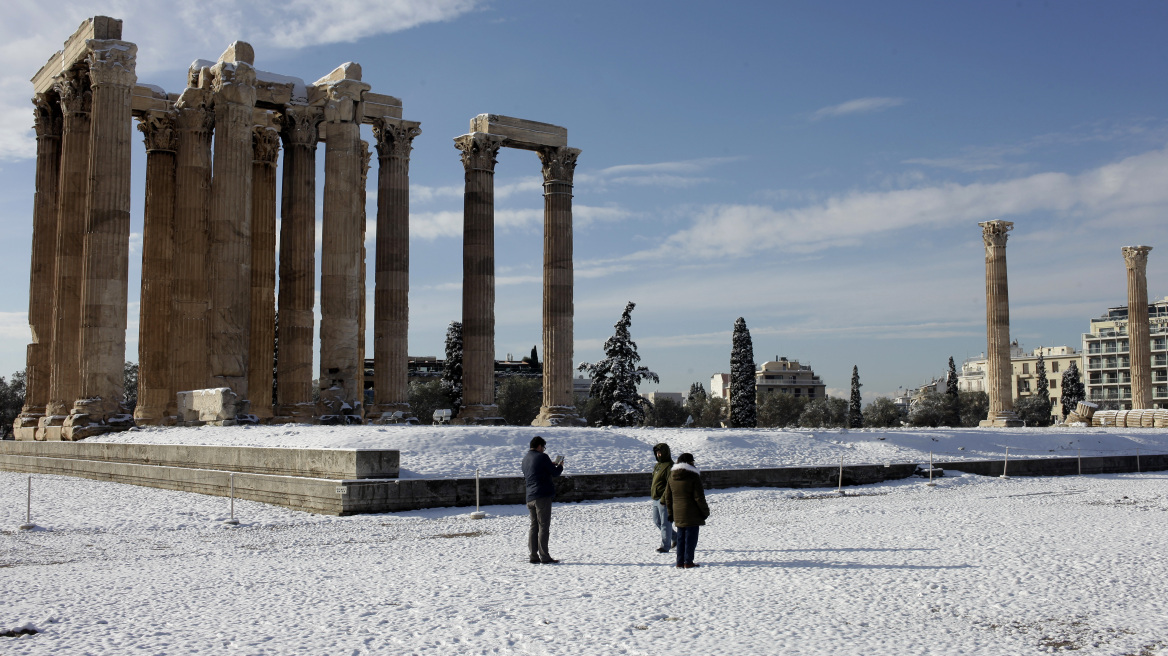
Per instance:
x=538, y=471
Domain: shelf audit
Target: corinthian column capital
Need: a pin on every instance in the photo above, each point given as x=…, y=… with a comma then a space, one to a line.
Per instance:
x=46, y=117
x=994, y=233
x=112, y=62
x=74, y=92
x=1136, y=257
x=559, y=163
x=299, y=125
x=343, y=100
x=265, y=144
x=479, y=150
x=395, y=137
x=159, y=131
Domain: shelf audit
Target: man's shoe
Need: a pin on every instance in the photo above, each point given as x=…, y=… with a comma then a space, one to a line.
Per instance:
x=675, y=543
x=690, y=565
x=534, y=561
x=549, y=562
x=662, y=550
x=680, y=566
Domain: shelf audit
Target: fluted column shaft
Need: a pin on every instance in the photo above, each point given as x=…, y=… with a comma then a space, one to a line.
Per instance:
x=229, y=256
x=297, y=260
x=994, y=234
x=266, y=149
x=479, y=152
x=362, y=283
x=391, y=310
x=65, y=363
x=559, y=164
x=1139, y=347
x=190, y=337
x=104, y=289
x=41, y=288
x=156, y=391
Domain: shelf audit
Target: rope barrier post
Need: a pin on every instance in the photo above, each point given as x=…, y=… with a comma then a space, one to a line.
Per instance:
x=1137, y=461
x=930, y=483
x=1080, y=462
x=28, y=525
x=840, y=488
x=1005, y=464
x=232, y=521
x=477, y=514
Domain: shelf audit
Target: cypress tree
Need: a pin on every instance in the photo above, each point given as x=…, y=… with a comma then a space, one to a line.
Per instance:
x=952, y=399
x=1072, y=389
x=451, y=384
x=615, y=378
x=743, y=404
x=1041, y=387
x=855, y=415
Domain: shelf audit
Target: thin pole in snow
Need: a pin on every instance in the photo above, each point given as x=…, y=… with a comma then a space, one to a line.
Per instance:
x=477, y=514
x=1080, y=462
x=1005, y=463
x=930, y=483
x=28, y=525
x=233, y=521
x=840, y=488
x=1137, y=461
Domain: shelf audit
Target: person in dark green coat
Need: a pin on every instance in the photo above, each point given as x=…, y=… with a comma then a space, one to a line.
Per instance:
x=686, y=501
x=657, y=491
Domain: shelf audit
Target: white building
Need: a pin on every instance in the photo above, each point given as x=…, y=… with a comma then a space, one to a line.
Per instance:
x=1107, y=374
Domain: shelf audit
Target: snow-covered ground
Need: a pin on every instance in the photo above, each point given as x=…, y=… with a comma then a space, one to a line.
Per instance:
x=443, y=451
x=973, y=566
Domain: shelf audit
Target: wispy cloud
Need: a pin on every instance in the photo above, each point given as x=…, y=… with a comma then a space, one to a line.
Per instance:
x=676, y=174
x=857, y=106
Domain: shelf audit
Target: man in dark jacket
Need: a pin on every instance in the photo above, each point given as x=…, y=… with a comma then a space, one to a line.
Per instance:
x=538, y=471
x=686, y=500
x=657, y=491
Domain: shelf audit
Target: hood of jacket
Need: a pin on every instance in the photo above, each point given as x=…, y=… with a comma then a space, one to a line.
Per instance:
x=680, y=468
x=663, y=454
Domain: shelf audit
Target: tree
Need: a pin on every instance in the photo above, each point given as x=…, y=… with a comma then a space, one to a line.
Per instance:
x=615, y=378
x=855, y=416
x=1072, y=389
x=130, y=386
x=532, y=359
x=743, y=409
x=713, y=413
x=824, y=413
x=780, y=410
x=882, y=413
x=1041, y=393
x=665, y=413
x=974, y=407
x=696, y=400
x=696, y=391
x=952, y=401
x=451, y=384
x=426, y=397
x=519, y=399
x=275, y=360
x=1033, y=410
x=11, y=401
x=930, y=410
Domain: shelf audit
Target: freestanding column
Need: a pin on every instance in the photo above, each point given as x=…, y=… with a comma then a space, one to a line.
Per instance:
x=41, y=288
x=190, y=337
x=65, y=364
x=1001, y=412
x=155, y=383
x=1139, y=348
x=340, y=259
x=229, y=255
x=391, y=310
x=297, y=263
x=479, y=152
x=559, y=406
x=266, y=148
x=107, y=243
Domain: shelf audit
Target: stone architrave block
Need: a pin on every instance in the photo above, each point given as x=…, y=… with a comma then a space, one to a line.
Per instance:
x=521, y=133
x=218, y=406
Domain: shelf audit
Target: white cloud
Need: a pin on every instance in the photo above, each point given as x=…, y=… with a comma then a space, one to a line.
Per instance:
x=172, y=34
x=681, y=173
x=857, y=106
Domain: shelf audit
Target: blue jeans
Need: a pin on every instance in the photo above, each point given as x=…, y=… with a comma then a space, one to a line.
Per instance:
x=661, y=521
x=687, y=541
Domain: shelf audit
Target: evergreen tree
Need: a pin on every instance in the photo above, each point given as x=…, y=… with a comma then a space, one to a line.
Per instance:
x=743, y=405
x=931, y=409
x=1042, y=389
x=451, y=384
x=11, y=401
x=855, y=415
x=974, y=407
x=780, y=410
x=952, y=400
x=696, y=401
x=1072, y=389
x=519, y=399
x=824, y=413
x=882, y=413
x=130, y=386
x=615, y=378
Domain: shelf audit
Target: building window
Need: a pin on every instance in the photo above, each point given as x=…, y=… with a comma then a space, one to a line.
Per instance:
x=811, y=392
x=1054, y=402
x=1053, y=384
x=1054, y=367
x=1025, y=367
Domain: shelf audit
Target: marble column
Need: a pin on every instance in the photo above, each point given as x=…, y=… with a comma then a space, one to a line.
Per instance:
x=41, y=288
x=297, y=263
x=479, y=153
x=156, y=391
x=366, y=156
x=229, y=227
x=105, y=277
x=190, y=337
x=1001, y=411
x=340, y=260
x=261, y=354
x=1138, y=338
x=64, y=362
x=391, y=294
x=559, y=407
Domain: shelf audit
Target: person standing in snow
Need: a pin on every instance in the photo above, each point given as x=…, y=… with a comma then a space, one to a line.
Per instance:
x=686, y=501
x=657, y=492
x=538, y=471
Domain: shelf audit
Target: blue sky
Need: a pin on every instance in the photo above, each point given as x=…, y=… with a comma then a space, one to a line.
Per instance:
x=817, y=168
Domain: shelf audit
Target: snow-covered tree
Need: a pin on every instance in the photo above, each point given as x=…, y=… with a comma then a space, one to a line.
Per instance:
x=855, y=413
x=451, y=385
x=1042, y=388
x=743, y=405
x=882, y=413
x=1072, y=389
x=953, y=414
x=615, y=378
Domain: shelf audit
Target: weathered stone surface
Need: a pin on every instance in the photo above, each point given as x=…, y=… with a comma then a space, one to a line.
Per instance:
x=1139, y=347
x=1001, y=410
x=521, y=133
x=219, y=406
x=261, y=350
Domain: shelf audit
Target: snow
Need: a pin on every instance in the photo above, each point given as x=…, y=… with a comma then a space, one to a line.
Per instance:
x=976, y=565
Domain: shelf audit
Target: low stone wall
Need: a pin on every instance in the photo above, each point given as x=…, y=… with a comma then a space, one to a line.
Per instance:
x=1061, y=466
x=313, y=463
